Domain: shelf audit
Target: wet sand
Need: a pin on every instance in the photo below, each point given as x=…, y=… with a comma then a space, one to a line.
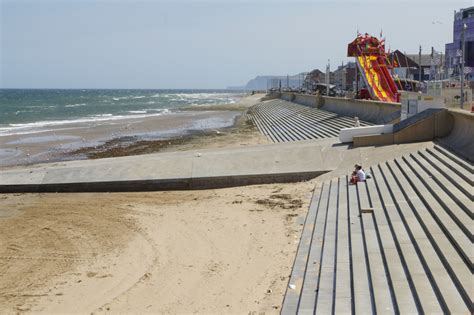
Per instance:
x=76, y=140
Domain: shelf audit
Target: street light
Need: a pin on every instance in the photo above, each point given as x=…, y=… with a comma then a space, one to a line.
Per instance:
x=464, y=27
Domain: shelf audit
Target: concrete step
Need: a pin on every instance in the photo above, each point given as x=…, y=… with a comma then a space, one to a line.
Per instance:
x=325, y=294
x=423, y=230
x=427, y=291
x=398, y=276
x=453, y=166
x=395, y=244
x=463, y=185
x=377, y=268
x=310, y=287
x=284, y=129
x=452, y=190
x=292, y=296
x=282, y=121
x=456, y=159
x=343, y=292
x=453, y=229
x=299, y=117
x=262, y=126
x=361, y=279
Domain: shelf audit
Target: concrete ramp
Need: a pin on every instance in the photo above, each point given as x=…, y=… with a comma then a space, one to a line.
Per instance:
x=173, y=171
x=262, y=164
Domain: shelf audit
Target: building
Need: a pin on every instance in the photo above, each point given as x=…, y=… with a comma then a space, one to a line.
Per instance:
x=344, y=76
x=403, y=67
x=461, y=18
x=407, y=66
x=316, y=76
x=425, y=63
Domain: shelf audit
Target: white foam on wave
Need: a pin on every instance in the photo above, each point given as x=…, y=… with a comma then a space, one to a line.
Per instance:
x=39, y=126
x=75, y=105
x=137, y=111
x=128, y=97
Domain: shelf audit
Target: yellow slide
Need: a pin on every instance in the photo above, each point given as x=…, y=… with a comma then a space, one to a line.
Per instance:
x=373, y=77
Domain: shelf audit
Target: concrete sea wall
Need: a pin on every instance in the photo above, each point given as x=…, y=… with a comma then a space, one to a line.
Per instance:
x=372, y=111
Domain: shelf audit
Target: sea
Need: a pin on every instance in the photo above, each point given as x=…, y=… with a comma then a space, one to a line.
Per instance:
x=29, y=110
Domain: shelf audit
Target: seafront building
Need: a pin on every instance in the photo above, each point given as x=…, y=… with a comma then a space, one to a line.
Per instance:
x=462, y=18
x=344, y=76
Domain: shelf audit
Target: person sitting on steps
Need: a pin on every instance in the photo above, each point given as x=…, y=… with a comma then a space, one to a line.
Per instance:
x=358, y=175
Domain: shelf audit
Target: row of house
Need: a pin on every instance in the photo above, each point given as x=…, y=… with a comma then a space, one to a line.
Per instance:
x=419, y=67
x=407, y=66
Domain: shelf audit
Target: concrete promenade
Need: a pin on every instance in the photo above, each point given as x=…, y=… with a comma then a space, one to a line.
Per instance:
x=283, y=162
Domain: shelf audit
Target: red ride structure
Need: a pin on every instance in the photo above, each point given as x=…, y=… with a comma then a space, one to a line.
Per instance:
x=375, y=67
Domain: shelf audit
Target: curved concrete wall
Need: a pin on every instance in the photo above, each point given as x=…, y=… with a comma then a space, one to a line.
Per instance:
x=461, y=138
x=437, y=124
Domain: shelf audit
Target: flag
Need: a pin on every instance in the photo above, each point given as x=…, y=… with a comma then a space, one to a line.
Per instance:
x=467, y=70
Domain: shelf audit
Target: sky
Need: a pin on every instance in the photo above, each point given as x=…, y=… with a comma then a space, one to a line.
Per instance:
x=200, y=44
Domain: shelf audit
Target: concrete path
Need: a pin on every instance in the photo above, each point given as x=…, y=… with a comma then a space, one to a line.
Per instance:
x=179, y=170
x=283, y=162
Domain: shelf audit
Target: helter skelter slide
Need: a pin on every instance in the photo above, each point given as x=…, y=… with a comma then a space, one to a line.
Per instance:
x=373, y=63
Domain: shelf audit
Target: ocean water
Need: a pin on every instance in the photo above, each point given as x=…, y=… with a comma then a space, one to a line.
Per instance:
x=23, y=111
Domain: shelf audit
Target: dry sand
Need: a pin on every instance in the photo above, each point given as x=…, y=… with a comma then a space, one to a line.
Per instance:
x=213, y=251
x=209, y=252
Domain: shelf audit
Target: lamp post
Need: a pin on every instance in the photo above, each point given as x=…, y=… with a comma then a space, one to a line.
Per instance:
x=419, y=66
x=328, y=77
x=464, y=27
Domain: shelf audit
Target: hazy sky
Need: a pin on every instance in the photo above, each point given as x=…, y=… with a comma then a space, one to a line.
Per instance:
x=199, y=44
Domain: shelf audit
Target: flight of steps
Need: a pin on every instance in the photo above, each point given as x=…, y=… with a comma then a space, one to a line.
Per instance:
x=283, y=121
x=399, y=243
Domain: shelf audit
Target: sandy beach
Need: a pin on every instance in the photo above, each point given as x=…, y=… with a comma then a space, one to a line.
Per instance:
x=209, y=251
x=119, y=137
